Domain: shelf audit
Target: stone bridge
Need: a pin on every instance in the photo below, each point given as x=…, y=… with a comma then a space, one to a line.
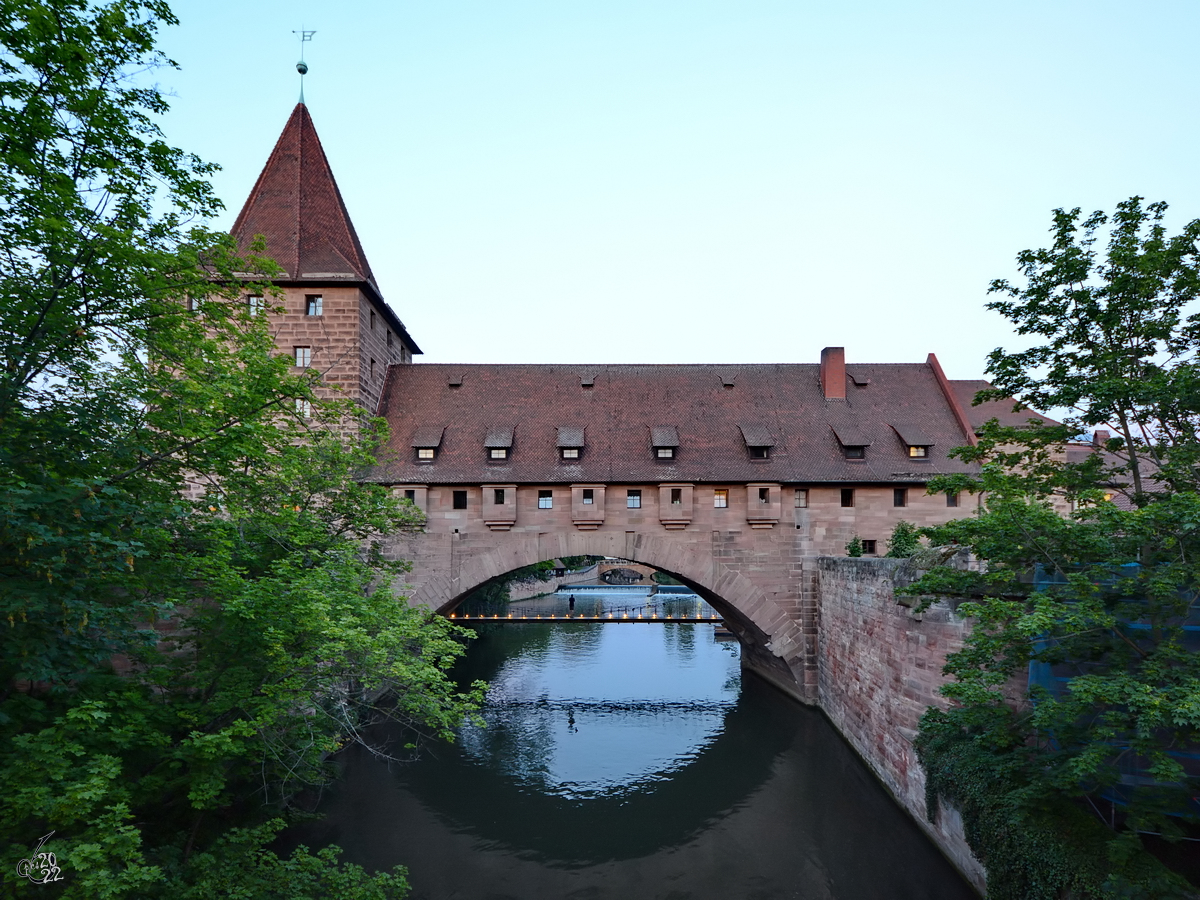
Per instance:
x=759, y=581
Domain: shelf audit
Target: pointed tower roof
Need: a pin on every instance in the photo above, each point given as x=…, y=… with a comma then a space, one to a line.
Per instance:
x=297, y=207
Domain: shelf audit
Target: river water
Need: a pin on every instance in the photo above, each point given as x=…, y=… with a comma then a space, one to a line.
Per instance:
x=630, y=761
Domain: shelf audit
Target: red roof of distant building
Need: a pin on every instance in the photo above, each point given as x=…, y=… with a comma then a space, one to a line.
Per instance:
x=628, y=405
x=1001, y=410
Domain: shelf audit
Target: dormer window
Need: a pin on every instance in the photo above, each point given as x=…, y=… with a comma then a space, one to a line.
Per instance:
x=853, y=442
x=498, y=443
x=916, y=442
x=758, y=440
x=665, y=441
x=426, y=442
x=570, y=442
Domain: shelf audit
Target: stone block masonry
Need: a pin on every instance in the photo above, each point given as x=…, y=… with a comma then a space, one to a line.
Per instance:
x=879, y=667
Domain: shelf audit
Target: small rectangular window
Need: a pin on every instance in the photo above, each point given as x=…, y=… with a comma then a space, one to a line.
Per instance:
x=389, y=339
x=372, y=370
x=664, y=452
x=498, y=496
x=304, y=357
x=410, y=495
x=899, y=496
x=545, y=499
x=633, y=500
x=304, y=408
x=677, y=496
x=760, y=452
x=720, y=498
x=918, y=452
x=801, y=498
x=764, y=496
x=952, y=499
x=460, y=499
x=372, y=320
x=313, y=305
x=498, y=453
x=855, y=452
x=587, y=495
x=869, y=548
x=847, y=496
x=425, y=452
x=255, y=304
x=570, y=452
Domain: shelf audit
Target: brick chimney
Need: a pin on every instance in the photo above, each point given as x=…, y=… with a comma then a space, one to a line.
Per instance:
x=833, y=373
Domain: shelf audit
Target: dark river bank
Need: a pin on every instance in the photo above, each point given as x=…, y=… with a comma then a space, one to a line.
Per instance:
x=630, y=761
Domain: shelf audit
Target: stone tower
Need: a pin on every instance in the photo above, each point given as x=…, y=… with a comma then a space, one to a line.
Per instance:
x=336, y=320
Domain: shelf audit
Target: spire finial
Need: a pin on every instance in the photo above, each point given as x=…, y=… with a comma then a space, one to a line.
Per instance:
x=302, y=66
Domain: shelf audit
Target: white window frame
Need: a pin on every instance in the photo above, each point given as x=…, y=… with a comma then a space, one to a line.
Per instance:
x=633, y=499
x=721, y=498
x=545, y=499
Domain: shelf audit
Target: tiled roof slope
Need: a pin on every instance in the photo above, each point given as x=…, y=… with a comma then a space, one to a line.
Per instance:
x=297, y=207
x=1001, y=410
x=627, y=402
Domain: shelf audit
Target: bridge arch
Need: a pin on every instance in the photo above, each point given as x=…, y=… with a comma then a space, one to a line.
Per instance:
x=772, y=634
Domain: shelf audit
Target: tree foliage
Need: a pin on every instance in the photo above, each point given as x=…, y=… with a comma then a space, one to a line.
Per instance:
x=1090, y=555
x=194, y=607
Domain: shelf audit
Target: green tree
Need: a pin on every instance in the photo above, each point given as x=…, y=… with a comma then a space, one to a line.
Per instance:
x=904, y=541
x=1082, y=587
x=194, y=607
x=854, y=546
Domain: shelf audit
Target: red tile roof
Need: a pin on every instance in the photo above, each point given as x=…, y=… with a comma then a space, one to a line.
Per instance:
x=297, y=207
x=628, y=404
x=1001, y=410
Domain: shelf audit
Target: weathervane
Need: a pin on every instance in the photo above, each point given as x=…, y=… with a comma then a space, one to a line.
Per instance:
x=302, y=66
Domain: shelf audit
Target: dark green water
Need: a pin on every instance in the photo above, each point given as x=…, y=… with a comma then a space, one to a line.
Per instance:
x=631, y=761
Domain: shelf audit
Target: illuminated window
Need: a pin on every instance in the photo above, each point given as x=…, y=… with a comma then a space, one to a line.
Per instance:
x=633, y=500
x=918, y=452
x=720, y=498
x=545, y=499
x=313, y=304
x=664, y=452
x=425, y=452
x=570, y=452
x=498, y=453
x=304, y=357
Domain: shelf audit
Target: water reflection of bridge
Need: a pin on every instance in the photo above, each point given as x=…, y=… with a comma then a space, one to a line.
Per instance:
x=608, y=619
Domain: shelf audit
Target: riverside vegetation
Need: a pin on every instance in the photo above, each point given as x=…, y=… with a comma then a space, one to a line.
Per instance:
x=194, y=612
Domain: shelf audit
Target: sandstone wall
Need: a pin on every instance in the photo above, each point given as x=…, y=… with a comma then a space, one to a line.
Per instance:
x=878, y=668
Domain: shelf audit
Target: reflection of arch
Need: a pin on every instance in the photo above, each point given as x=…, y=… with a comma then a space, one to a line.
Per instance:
x=772, y=641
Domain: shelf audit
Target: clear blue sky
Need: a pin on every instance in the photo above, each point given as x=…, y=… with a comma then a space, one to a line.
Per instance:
x=663, y=181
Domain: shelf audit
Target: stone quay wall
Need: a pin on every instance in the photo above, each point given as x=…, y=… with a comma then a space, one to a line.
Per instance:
x=879, y=666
